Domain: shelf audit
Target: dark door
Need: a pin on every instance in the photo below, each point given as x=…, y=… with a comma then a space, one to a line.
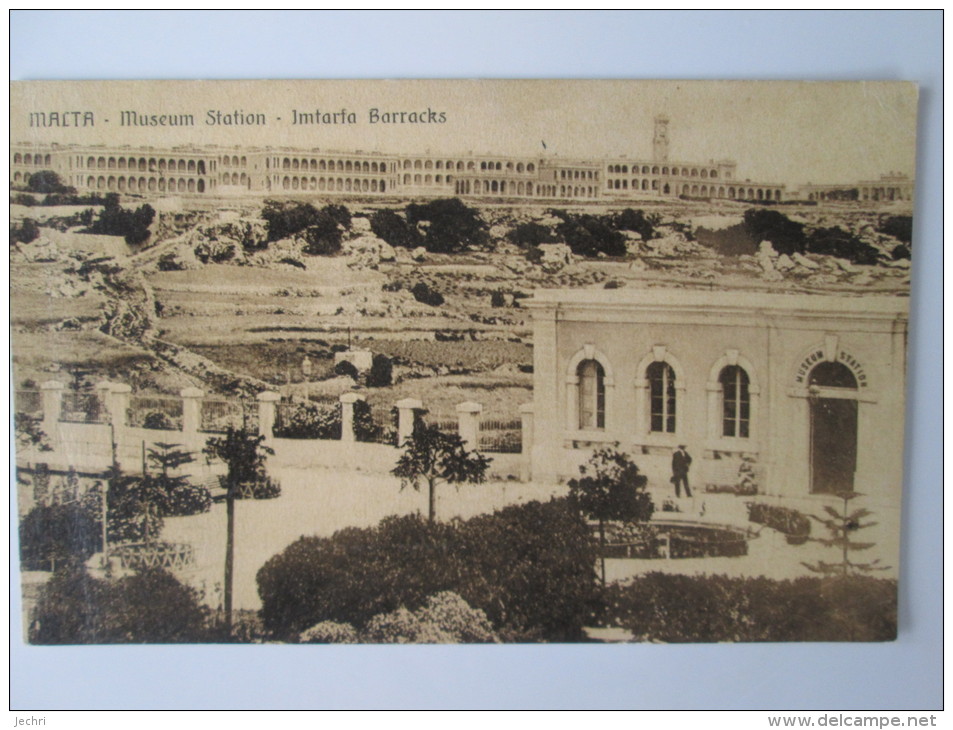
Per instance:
x=833, y=445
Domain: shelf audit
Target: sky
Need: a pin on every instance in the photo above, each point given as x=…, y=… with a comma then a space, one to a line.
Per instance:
x=778, y=132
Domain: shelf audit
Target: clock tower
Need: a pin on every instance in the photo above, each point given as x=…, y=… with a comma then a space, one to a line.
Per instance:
x=660, y=140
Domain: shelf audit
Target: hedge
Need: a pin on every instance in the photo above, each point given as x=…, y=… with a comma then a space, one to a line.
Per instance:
x=680, y=608
x=529, y=568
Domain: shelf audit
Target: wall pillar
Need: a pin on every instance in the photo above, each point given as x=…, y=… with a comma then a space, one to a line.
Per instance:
x=118, y=405
x=347, y=415
x=266, y=413
x=405, y=418
x=52, y=394
x=468, y=416
x=526, y=462
x=192, y=417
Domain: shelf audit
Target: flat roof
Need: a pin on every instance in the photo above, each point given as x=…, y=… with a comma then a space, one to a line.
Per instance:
x=722, y=300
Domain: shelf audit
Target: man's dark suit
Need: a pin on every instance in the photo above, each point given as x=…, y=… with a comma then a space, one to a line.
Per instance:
x=680, y=463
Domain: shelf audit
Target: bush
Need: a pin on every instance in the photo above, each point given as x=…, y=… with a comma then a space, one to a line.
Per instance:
x=47, y=181
x=159, y=421
x=838, y=242
x=785, y=235
x=392, y=228
x=783, y=519
x=637, y=221
x=680, y=608
x=381, y=373
x=444, y=619
x=898, y=226
x=57, y=534
x=346, y=367
x=900, y=252
x=529, y=568
x=589, y=235
x=329, y=632
x=115, y=220
x=292, y=262
x=309, y=421
x=529, y=235
x=170, y=262
x=284, y=219
x=425, y=295
x=497, y=299
x=26, y=232
x=323, y=238
x=149, y=607
x=23, y=199
x=451, y=225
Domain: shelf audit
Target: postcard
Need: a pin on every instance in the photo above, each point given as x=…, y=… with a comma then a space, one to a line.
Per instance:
x=460, y=361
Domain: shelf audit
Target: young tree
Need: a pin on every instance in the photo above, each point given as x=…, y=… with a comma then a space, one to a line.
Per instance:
x=244, y=454
x=841, y=525
x=174, y=496
x=431, y=456
x=611, y=488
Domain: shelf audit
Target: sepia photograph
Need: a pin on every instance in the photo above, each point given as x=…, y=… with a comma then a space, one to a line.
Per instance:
x=455, y=362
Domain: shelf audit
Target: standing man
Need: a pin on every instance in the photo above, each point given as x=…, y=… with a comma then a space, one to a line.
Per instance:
x=681, y=461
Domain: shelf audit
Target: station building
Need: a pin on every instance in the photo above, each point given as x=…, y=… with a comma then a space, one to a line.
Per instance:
x=810, y=387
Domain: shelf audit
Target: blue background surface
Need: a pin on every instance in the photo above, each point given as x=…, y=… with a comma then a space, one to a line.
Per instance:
x=905, y=674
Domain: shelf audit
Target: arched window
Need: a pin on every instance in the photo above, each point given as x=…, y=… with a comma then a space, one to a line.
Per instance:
x=592, y=395
x=736, y=402
x=661, y=379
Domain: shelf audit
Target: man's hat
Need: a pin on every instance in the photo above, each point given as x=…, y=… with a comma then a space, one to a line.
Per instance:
x=681, y=446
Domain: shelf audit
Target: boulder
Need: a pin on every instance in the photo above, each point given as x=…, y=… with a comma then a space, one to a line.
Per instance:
x=766, y=249
x=360, y=225
x=418, y=254
x=367, y=251
x=784, y=263
x=555, y=257
x=804, y=261
x=845, y=265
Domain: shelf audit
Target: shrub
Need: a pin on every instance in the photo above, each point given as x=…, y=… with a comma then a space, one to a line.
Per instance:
x=47, y=181
x=381, y=373
x=151, y=606
x=170, y=262
x=26, y=232
x=838, y=242
x=56, y=534
x=392, y=228
x=425, y=295
x=589, y=235
x=309, y=421
x=346, y=367
x=329, y=632
x=785, y=235
x=783, y=519
x=898, y=226
x=444, y=619
x=637, y=221
x=159, y=421
x=292, y=262
x=529, y=568
x=114, y=220
x=323, y=237
x=284, y=219
x=529, y=235
x=900, y=252
x=680, y=608
x=497, y=299
x=23, y=199
x=451, y=225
